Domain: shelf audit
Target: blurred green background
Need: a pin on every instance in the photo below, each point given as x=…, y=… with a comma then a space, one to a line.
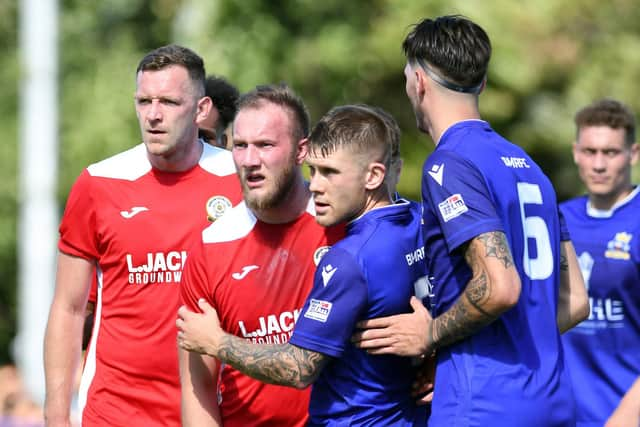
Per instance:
x=550, y=58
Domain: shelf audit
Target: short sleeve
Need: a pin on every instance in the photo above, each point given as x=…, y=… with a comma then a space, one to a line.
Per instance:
x=78, y=228
x=195, y=279
x=456, y=192
x=335, y=304
x=564, y=230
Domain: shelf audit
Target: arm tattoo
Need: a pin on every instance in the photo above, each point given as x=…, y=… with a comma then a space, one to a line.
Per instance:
x=564, y=261
x=285, y=364
x=496, y=245
x=478, y=292
x=456, y=323
x=469, y=314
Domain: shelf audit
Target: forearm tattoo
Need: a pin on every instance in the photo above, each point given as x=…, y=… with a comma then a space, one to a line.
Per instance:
x=478, y=292
x=469, y=312
x=286, y=364
x=456, y=323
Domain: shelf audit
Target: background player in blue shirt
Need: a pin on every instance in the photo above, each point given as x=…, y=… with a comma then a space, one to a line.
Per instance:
x=493, y=252
x=370, y=273
x=603, y=352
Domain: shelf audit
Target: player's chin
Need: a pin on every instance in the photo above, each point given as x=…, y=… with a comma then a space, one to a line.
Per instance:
x=602, y=186
x=324, y=219
x=156, y=147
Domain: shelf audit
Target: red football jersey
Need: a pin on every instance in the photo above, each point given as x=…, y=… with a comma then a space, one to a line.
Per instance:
x=257, y=276
x=137, y=223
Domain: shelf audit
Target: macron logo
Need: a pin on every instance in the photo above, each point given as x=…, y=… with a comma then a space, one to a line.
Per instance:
x=436, y=173
x=133, y=212
x=245, y=270
x=327, y=273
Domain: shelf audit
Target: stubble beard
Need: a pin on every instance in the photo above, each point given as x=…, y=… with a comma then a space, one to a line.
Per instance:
x=420, y=121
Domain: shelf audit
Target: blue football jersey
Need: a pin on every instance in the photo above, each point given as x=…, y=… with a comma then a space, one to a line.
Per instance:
x=370, y=273
x=511, y=372
x=603, y=352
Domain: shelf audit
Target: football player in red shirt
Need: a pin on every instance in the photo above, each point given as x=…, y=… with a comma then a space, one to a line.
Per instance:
x=256, y=264
x=129, y=222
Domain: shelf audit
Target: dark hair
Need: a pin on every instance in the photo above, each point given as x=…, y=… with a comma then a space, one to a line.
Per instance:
x=608, y=112
x=361, y=128
x=458, y=48
x=283, y=96
x=224, y=96
x=173, y=54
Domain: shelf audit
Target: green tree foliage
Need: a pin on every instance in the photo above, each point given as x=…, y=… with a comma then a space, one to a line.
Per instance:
x=8, y=174
x=550, y=58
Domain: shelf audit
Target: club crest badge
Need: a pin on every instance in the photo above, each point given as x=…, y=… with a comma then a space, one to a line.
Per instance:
x=319, y=253
x=216, y=207
x=619, y=247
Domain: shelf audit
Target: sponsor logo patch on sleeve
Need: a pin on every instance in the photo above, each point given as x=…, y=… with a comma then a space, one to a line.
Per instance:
x=452, y=207
x=318, y=310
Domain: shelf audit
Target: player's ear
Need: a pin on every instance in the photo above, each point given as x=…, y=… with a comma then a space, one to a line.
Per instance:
x=375, y=176
x=421, y=82
x=574, y=150
x=302, y=148
x=635, y=153
x=204, y=108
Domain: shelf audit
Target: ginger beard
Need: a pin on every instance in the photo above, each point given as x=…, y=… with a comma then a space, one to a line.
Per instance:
x=275, y=188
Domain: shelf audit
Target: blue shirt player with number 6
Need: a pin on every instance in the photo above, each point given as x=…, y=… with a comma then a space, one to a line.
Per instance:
x=504, y=276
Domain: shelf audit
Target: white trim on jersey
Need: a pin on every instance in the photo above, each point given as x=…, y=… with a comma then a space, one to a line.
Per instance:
x=235, y=224
x=128, y=165
x=133, y=163
x=311, y=207
x=89, y=370
x=217, y=161
x=601, y=213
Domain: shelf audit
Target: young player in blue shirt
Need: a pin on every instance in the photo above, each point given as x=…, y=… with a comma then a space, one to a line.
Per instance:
x=603, y=352
x=493, y=252
x=372, y=272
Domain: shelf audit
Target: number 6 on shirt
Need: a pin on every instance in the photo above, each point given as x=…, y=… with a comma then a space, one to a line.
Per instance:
x=534, y=227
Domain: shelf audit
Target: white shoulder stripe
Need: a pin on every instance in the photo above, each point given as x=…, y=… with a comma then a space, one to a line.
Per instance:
x=235, y=224
x=217, y=161
x=133, y=163
x=311, y=207
x=129, y=165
